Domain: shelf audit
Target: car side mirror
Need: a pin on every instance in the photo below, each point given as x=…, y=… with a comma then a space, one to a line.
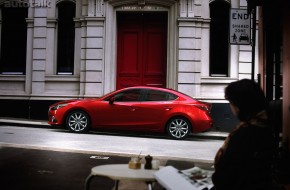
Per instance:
x=111, y=100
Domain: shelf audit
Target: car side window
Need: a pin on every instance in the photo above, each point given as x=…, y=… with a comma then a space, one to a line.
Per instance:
x=128, y=96
x=156, y=95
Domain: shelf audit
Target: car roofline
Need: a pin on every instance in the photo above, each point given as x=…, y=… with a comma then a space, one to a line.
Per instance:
x=186, y=96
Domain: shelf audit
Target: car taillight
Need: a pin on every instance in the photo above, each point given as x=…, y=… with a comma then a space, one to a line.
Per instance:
x=205, y=107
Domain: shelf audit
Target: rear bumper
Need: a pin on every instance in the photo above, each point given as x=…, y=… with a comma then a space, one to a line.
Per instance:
x=202, y=126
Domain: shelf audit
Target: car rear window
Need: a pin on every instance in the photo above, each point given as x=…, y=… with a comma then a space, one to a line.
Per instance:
x=156, y=95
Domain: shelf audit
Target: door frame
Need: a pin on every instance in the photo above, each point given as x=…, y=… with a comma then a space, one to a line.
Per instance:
x=110, y=58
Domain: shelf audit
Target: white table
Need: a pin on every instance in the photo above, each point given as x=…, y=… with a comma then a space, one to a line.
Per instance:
x=119, y=172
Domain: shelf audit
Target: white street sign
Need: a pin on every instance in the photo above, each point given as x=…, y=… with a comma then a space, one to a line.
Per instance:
x=240, y=27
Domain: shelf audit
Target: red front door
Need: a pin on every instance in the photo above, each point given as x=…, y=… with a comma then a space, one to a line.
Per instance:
x=142, y=45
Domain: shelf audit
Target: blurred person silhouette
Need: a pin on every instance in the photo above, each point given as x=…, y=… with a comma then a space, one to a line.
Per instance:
x=245, y=160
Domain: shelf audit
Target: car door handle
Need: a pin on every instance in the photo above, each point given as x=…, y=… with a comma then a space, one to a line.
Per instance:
x=167, y=108
x=132, y=108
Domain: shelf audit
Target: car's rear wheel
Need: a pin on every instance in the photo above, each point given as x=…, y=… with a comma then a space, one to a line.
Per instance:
x=78, y=121
x=178, y=128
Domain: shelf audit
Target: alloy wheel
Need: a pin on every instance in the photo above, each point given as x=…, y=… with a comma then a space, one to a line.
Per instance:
x=77, y=121
x=178, y=128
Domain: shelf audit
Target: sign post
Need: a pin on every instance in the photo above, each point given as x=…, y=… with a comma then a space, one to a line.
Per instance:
x=240, y=27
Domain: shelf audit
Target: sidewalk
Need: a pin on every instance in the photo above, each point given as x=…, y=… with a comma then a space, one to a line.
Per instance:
x=26, y=122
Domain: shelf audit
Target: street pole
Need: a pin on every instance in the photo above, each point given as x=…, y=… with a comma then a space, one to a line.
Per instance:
x=253, y=42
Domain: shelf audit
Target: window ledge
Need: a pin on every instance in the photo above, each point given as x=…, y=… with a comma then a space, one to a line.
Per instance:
x=58, y=78
x=217, y=80
x=12, y=77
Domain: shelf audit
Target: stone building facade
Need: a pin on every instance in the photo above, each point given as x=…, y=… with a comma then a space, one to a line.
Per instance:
x=69, y=49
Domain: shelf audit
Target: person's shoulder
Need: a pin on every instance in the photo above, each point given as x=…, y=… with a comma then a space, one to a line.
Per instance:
x=260, y=128
x=246, y=130
x=250, y=130
x=240, y=132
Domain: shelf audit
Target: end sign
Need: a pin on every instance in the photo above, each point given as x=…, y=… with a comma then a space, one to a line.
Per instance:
x=240, y=27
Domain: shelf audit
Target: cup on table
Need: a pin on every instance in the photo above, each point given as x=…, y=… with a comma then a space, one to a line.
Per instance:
x=135, y=163
x=155, y=164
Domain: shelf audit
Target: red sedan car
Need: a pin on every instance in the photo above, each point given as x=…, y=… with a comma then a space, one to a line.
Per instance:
x=136, y=108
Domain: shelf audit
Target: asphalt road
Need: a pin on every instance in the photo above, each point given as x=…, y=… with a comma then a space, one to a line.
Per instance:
x=33, y=158
x=31, y=169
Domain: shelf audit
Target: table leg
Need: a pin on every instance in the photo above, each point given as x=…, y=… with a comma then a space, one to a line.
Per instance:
x=88, y=181
x=149, y=185
x=116, y=184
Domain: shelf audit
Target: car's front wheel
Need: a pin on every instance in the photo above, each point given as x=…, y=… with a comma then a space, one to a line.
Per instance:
x=178, y=128
x=78, y=121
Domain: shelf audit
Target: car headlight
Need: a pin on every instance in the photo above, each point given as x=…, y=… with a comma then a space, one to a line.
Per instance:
x=58, y=106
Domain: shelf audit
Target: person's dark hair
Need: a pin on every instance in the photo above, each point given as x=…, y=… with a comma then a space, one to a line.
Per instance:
x=247, y=96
